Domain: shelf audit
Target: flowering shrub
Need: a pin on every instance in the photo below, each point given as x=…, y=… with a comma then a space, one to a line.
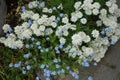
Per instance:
x=56, y=43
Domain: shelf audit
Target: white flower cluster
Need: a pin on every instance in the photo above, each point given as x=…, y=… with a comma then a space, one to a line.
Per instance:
x=80, y=37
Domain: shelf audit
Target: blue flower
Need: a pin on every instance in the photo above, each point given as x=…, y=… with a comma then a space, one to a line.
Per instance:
x=105, y=38
x=113, y=42
x=85, y=63
x=30, y=22
x=38, y=43
x=7, y=35
x=61, y=14
x=55, y=60
x=16, y=65
x=41, y=50
x=23, y=9
x=58, y=18
x=57, y=66
x=90, y=78
x=53, y=73
x=47, y=38
x=28, y=67
x=42, y=66
x=39, y=47
x=32, y=38
x=47, y=78
x=42, y=4
x=14, y=47
x=102, y=32
x=54, y=8
x=47, y=50
x=23, y=72
x=11, y=65
x=62, y=71
x=10, y=30
x=57, y=52
x=95, y=64
x=37, y=78
x=107, y=29
x=27, y=45
x=27, y=55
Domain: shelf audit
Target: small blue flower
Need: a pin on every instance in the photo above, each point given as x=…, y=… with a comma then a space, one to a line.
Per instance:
x=70, y=54
x=62, y=71
x=53, y=73
x=107, y=29
x=14, y=47
x=10, y=30
x=85, y=63
x=105, y=38
x=67, y=67
x=47, y=38
x=47, y=50
x=61, y=14
x=39, y=47
x=38, y=43
x=32, y=38
x=58, y=18
x=42, y=66
x=16, y=65
x=27, y=45
x=7, y=35
x=47, y=78
x=41, y=50
x=54, y=8
x=28, y=67
x=90, y=78
x=37, y=78
x=95, y=64
x=57, y=66
x=102, y=32
x=113, y=42
x=42, y=4
x=55, y=60
x=23, y=9
x=11, y=65
x=23, y=72
x=57, y=52
x=30, y=22
x=27, y=55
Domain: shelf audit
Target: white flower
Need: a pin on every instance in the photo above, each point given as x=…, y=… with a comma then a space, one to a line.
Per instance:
x=96, y=5
x=6, y=27
x=45, y=10
x=27, y=33
x=19, y=44
x=50, y=10
x=95, y=33
x=95, y=11
x=79, y=14
x=83, y=20
x=88, y=12
x=77, y=5
x=74, y=18
x=35, y=16
x=99, y=23
x=62, y=40
x=82, y=34
x=87, y=39
x=65, y=20
x=87, y=50
x=42, y=28
x=76, y=39
x=54, y=25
